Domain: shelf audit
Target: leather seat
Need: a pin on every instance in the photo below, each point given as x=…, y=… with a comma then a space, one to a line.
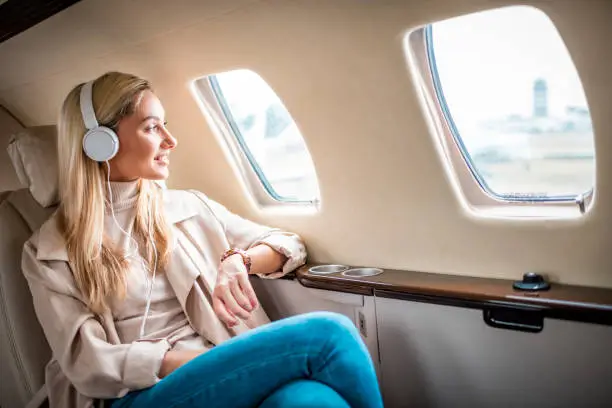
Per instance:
x=8, y=126
x=24, y=351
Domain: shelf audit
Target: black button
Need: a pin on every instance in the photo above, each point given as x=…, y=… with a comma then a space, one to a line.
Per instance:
x=532, y=282
x=532, y=277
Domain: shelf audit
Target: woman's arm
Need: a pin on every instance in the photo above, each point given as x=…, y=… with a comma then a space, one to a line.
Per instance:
x=264, y=259
x=273, y=254
x=248, y=235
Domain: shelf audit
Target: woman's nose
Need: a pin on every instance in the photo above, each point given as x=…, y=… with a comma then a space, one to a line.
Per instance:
x=170, y=141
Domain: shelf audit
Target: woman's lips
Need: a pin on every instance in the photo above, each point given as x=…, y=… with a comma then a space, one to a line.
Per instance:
x=163, y=160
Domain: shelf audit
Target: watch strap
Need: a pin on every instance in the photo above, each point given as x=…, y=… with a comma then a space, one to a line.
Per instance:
x=246, y=259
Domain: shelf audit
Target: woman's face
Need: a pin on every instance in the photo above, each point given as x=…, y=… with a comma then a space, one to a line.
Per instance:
x=144, y=143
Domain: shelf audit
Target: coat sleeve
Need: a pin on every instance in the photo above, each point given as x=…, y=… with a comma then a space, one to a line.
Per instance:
x=244, y=234
x=96, y=368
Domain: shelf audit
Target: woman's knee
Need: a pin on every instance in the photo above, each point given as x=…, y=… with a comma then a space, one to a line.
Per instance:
x=331, y=323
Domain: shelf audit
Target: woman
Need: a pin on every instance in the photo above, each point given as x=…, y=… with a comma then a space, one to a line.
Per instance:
x=143, y=293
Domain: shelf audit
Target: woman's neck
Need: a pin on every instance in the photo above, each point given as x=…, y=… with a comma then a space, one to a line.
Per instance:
x=123, y=194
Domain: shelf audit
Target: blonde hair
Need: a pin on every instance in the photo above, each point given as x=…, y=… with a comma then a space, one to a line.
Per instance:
x=99, y=266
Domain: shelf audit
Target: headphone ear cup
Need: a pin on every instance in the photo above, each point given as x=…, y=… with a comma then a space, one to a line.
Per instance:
x=101, y=144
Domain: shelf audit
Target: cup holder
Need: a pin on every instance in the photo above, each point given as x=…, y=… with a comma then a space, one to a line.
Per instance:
x=327, y=269
x=361, y=272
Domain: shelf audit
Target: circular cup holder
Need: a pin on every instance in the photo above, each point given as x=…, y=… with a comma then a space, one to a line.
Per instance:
x=327, y=269
x=360, y=272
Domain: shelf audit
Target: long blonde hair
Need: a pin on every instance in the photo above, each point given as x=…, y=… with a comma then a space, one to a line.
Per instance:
x=99, y=266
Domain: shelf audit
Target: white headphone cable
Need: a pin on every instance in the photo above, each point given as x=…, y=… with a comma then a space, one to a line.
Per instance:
x=110, y=195
x=148, y=305
x=150, y=282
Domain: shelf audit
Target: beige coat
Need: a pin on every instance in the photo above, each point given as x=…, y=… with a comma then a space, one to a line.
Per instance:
x=89, y=362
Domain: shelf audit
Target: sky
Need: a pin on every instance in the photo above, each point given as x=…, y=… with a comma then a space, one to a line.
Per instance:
x=246, y=91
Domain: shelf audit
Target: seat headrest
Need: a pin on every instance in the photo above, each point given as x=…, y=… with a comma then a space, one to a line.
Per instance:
x=33, y=152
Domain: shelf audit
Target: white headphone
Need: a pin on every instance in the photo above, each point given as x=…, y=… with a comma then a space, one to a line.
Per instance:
x=100, y=142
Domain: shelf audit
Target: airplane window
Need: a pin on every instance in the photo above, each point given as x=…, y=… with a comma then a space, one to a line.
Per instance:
x=268, y=135
x=514, y=102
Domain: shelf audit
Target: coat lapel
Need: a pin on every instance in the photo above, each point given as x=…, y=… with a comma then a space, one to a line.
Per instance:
x=193, y=281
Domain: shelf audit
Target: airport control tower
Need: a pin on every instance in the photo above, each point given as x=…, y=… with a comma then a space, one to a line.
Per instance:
x=540, y=98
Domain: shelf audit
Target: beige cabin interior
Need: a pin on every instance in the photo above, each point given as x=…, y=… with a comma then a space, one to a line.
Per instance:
x=388, y=196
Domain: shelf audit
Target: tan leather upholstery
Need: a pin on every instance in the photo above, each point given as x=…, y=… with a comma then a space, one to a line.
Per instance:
x=24, y=351
x=23, y=348
x=8, y=126
x=34, y=156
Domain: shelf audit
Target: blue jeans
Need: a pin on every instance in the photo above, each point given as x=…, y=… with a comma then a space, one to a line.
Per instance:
x=310, y=360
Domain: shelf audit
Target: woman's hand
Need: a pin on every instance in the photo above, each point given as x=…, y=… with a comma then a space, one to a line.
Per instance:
x=233, y=296
x=174, y=359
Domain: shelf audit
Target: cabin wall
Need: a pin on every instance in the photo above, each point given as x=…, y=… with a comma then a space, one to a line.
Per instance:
x=341, y=71
x=444, y=356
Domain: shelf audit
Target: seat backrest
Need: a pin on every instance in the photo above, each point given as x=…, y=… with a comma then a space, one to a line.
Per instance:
x=24, y=351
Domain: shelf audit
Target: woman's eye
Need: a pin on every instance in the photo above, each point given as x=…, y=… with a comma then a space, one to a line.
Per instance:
x=155, y=127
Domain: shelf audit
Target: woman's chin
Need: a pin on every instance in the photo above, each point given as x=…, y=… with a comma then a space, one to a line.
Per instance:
x=158, y=174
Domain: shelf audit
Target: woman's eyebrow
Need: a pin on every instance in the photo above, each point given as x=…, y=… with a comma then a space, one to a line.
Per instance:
x=151, y=117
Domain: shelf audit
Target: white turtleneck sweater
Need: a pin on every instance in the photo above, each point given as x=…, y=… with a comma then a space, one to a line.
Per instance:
x=166, y=317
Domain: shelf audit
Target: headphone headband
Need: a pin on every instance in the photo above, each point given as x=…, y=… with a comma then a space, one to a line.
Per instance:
x=86, y=102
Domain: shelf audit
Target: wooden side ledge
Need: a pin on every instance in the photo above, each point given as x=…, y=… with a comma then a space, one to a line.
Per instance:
x=577, y=303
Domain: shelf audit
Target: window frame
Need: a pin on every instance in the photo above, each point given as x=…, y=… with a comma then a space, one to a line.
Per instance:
x=209, y=95
x=469, y=185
